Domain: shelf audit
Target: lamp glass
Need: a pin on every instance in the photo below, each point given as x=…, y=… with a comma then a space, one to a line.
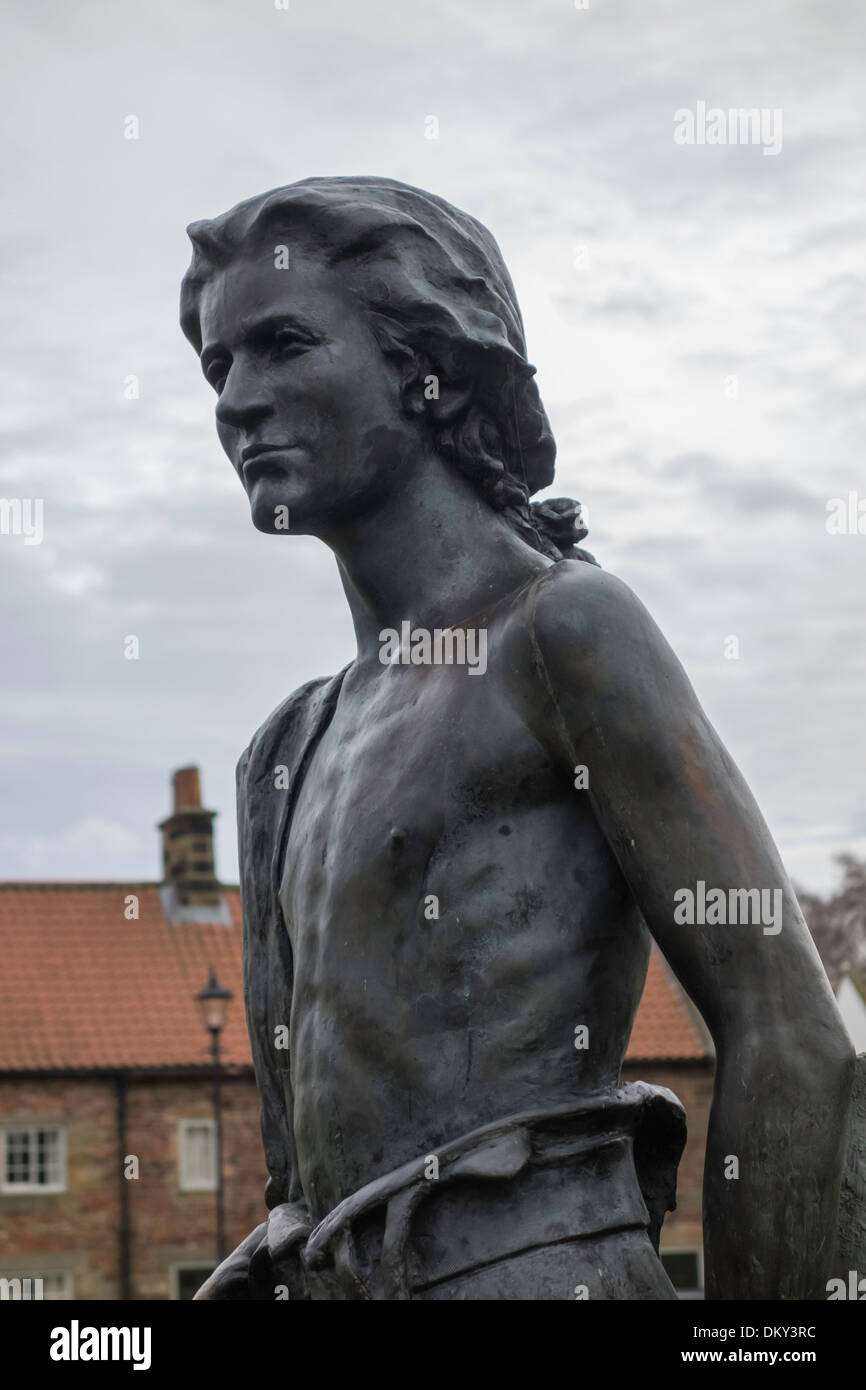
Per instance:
x=213, y=1003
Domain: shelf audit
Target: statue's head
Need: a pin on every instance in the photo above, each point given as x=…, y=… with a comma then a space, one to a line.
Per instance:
x=342, y=319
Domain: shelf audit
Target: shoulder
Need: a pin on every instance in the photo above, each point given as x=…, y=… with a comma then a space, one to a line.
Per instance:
x=602, y=662
x=583, y=620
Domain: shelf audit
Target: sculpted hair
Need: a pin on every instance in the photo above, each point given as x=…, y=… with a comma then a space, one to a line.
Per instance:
x=440, y=303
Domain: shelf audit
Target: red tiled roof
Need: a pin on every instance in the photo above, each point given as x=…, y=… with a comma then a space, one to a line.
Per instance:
x=664, y=1027
x=83, y=987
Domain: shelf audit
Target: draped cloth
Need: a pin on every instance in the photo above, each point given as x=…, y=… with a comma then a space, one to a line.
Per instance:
x=534, y=1205
x=269, y=777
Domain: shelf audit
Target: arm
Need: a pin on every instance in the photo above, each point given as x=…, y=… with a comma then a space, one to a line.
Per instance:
x=675, y=810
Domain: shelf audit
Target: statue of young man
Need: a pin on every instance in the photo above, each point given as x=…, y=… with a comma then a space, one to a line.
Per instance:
x=449, y=864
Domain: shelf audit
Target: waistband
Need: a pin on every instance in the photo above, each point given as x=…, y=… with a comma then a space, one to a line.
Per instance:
x=605, y=1163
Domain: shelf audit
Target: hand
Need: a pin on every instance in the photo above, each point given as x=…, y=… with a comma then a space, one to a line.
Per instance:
x=230, y=1280
x=266, y=1265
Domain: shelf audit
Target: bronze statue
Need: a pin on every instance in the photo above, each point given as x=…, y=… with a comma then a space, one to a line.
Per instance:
x=454, y=853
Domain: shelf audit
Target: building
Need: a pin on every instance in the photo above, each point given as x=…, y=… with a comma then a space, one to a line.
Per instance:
x=851, y=998
x=107, y=1184
x=671, y=1047
x=107, y=1154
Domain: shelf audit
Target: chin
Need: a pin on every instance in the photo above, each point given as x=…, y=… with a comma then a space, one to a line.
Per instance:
x=279, y=512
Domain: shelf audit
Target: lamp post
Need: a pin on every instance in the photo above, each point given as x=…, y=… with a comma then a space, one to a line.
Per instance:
x=213, y=1003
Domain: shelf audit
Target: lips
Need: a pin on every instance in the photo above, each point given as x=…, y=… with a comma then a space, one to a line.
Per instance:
x=258, y=460
x=251, y=451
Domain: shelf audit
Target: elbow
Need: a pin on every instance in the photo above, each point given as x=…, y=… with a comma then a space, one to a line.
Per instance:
x=817, y=1053
x=828, y=1066
x=827, y=1048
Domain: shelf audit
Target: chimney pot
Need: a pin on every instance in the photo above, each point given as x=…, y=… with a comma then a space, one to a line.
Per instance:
x=187, y=788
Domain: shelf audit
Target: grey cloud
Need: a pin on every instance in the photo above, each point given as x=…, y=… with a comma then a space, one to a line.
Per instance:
x=556, y=128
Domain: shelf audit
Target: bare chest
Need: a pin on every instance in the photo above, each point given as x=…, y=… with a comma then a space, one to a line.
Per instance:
x=425, y=774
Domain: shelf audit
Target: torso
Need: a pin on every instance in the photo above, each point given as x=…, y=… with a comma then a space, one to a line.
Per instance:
x=428, y=792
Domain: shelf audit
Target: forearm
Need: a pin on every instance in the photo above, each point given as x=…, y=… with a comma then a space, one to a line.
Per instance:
x=773, y=1167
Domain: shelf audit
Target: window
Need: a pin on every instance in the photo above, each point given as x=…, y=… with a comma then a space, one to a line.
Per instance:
x=684, y=1268
x=57, y=1284
x=196, y=1145
x=28, y=1285
x=34, y=1159
x=188, y=1279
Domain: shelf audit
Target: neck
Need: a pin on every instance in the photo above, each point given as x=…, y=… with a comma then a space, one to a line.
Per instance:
x=432, y=553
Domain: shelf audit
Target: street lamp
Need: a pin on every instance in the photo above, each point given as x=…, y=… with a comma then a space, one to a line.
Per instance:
x=213, y=1003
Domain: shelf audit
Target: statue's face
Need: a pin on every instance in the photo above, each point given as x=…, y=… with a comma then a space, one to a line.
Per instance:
x=309, y=409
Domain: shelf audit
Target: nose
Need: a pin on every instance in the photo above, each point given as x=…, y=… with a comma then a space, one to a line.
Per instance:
x=243, y=401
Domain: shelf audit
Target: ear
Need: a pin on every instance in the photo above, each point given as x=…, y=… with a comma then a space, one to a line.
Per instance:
x=426, y=387
x=434, y=394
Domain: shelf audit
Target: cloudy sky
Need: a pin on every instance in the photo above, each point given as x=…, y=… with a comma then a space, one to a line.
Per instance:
x=696, y=313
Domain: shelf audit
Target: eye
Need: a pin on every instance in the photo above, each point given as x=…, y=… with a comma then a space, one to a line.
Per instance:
x=287, y=343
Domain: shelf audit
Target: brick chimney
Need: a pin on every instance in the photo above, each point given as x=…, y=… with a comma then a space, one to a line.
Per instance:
x=189, y=870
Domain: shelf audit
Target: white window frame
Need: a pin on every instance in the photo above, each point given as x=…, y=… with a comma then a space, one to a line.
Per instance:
x=28, y=1189
x=68, y=1285
x=188, y=1182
